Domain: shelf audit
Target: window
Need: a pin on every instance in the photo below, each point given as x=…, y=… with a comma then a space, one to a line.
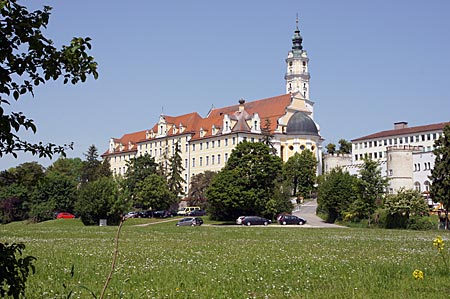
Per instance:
x=429, y=137
x=234, y=140
x=390, y=141
x=370, y=143
x=218, y=143
x=185, y=163
x=423, y=137
x=417, y=186
x=201, y=146
x=375, y=155
x=201, y=161
x=400, y=140
x=207, y=144
x=212, y=160
x=434, y=136
x=245, y=138
x=411, y=139
x=212, y=144
x=391, y=172
x=193, y=147
x=160, y=151
x=356, y=157
x=255, y=124
x=193, y=162
x=226, y=141
x=207, y=160
x=380, y=154
x=226, y=157
x=427, y=186
x=375, y=143
x=252, y=139
x=187, y=147
x=385, y=142
x=218, y=159
x=418, y=167
x=365, y=144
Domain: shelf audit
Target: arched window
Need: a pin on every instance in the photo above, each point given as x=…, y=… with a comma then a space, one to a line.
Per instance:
x=417, y=186
x=427, y=186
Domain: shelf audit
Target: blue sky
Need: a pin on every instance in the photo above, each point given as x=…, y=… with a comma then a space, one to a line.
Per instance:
x=372, y=63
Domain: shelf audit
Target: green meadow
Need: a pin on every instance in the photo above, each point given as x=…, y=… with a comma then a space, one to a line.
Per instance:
x=220, y=261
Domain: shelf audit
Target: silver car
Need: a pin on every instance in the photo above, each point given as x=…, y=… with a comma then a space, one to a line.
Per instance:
x=190, y=221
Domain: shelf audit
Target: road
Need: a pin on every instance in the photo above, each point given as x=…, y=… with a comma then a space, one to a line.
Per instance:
x=308, y=212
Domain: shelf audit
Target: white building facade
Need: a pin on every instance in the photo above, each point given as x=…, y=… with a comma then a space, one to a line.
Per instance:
x=205, y=143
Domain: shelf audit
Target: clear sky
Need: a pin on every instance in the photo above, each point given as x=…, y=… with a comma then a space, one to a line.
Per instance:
x=372, y=63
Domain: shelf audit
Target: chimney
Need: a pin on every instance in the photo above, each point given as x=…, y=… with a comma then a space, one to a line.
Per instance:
x=400, y=125
x=241, y=104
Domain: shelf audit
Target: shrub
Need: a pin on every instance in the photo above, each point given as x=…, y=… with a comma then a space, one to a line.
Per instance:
x=420, y=223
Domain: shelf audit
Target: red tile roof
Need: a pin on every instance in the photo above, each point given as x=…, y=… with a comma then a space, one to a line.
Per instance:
x=269, y=108
x=405, y=131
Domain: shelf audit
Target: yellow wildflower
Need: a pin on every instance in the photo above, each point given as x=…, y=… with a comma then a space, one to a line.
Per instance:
x=438, y=243
x=418, y=274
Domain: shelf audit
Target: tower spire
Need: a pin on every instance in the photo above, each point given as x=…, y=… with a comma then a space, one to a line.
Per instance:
x=297, y=38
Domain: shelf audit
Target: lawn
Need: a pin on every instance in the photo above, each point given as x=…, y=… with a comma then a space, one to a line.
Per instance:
x=164, y=261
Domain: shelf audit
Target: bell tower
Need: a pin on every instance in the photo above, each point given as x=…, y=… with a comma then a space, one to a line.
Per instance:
x=297, y=74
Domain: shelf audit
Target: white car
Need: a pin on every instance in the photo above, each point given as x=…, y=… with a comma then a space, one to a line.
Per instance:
x=239, y=220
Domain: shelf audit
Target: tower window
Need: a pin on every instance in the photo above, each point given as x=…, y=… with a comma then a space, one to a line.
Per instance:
x=304, y=63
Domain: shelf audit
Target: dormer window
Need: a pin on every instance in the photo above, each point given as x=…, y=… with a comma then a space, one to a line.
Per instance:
x=147, y=135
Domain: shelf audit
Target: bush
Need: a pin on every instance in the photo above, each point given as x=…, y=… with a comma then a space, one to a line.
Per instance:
x=420, y=223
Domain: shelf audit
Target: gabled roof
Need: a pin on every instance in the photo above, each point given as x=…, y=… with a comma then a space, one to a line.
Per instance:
x=405, y=131
x=270, y=108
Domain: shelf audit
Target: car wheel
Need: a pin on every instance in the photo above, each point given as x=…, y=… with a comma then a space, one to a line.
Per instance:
x=248, y=224
x=284, y=223
x=266, y=223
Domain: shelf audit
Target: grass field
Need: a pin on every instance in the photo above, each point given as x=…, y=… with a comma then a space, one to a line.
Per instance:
x=164, y=261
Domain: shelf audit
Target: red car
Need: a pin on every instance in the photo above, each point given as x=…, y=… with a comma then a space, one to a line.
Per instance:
x=65, y=215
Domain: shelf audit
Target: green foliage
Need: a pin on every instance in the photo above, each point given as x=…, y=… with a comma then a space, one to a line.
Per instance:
x=93, y=169
x=28, y=59
x=267, y=135
x=14, y=271
x=337, y=192
x=246, y=183
x=153, y=193
x=331, y=148
x=13, y=203
x=175, y=179
x=401, y=206
x=371, y=188
x=100, y=199
x=345, y=147
x=71, y=168
x=300, y=171
x=440, y=174
x=53, y=194
x=417, y=222
x=198, y=186
x=137, y=170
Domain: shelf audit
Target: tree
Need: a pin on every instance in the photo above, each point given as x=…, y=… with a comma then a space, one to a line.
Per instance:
x=53, y=194
x=246, y=183
x=93, y=169
x=197, y=190
x=440, y=175
x=154, y=193
x=345, y=147
x=175, y=179
x=331, y=148
x=27, y=59
x=14, y=202
x=100, y=199
x=371, y=188
x=401, y=206
x=137, y=170
x=267, y=135
x=300, y=171
x=71, y=168
x=336, y=193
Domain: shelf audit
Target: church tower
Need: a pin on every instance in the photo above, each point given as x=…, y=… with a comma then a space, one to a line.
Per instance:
x=297, y=74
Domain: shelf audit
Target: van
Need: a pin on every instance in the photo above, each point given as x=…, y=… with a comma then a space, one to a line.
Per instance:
x=187, y=210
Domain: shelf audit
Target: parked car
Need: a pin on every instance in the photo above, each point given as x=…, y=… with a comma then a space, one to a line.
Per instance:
x=146, y=214
x=163, y=214
x=132, y=215
x=187, y=210
x=190, y=221
x=255, y=220
x=65, y=215
x=239, y=220
x=197, y=213
x=290, y=219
